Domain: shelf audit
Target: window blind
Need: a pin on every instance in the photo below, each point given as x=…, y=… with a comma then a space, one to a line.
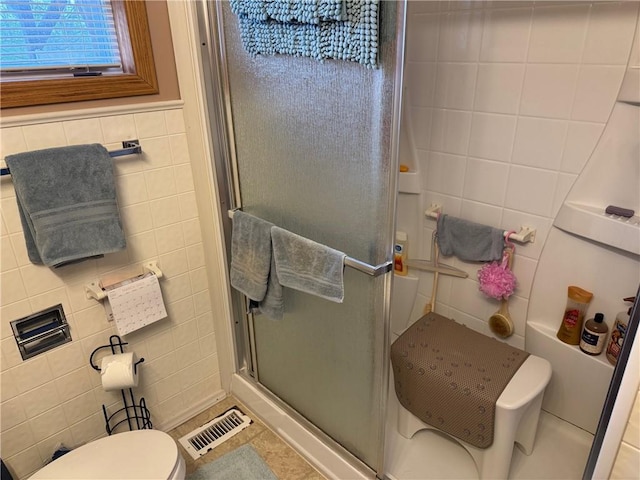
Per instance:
x=57, y=34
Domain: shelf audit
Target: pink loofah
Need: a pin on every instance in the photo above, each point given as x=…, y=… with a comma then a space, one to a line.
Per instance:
x=496, y=279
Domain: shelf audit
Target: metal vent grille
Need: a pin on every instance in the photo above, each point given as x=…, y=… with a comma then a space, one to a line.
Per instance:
x=207, y=437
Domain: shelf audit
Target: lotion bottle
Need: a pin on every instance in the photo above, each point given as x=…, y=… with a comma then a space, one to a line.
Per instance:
x=571, y=327
x=400, y=254
x=618, y=333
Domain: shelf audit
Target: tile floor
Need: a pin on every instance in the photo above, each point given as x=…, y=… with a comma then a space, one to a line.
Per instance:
x=285, y=463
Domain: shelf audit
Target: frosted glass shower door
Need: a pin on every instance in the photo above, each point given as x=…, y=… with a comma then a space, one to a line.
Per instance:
x=314, y=152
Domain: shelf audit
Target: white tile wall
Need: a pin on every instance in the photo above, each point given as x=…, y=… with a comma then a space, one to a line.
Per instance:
x=539, y=142
x=454, y=85
x=549, y=90
x=610, y=26
x=547, y=77
x=558, y=33
x=499, y=87
x=581, y=139
x=520, y=93
x=505, y=36
x=596, y=91
x=56, y=397
x=492, y=136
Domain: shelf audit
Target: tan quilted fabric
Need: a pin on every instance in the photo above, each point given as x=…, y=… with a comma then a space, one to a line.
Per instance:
x=450, y=376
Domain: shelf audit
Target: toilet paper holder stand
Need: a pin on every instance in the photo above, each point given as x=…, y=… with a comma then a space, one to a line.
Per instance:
x=136, y=415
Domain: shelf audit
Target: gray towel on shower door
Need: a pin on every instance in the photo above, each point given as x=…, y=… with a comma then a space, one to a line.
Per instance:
x=253, y=269
x=310, y=267
x=272, y=305
x=469, y=241
x=250, y=255
x=67, y=203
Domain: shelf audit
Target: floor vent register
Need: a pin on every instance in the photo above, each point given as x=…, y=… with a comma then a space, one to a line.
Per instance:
x=207, y=437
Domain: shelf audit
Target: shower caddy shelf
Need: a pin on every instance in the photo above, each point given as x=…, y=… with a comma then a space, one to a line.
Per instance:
x=595, y=224
x=135, y=415
x=594, y=361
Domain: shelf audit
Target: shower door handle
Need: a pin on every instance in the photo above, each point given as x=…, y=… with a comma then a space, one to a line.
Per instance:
x=373, y=270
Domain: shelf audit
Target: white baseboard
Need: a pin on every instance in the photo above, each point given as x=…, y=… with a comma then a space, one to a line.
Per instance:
x=192, y=411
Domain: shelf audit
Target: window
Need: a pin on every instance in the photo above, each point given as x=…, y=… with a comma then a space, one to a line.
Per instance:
x=56, y=35
x=44, y=42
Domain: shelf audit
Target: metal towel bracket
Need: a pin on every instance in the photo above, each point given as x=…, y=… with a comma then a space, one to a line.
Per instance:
x=129, y=147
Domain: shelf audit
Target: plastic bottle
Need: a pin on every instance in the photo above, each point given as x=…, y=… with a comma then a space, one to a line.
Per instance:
x=618, y=333
x=594, y=335
x=577, y=303
x=400, y=254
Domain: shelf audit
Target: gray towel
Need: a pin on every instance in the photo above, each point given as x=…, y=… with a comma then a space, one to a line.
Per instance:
x=469, y=241
x=272, y=305
x=250, y=255
x=310, y=267
x=67, y=203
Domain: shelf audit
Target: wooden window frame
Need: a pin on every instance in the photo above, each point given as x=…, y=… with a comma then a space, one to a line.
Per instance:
x=138, y=77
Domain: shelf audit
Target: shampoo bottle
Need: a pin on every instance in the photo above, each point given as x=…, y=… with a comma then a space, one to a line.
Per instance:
x=594, y=335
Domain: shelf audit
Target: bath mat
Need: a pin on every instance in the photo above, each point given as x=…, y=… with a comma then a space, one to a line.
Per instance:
x=243, y=463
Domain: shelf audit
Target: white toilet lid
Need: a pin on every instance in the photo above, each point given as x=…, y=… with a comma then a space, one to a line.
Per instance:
x=140, y=454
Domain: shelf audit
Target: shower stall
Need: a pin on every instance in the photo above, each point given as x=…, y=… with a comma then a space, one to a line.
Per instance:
x=313, y=147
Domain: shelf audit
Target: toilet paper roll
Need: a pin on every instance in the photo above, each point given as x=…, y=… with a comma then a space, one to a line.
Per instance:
x=117, y=372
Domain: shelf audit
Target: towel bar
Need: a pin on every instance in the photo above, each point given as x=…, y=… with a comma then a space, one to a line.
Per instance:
x=373, y=270
x=129, y=147
x=524, y=235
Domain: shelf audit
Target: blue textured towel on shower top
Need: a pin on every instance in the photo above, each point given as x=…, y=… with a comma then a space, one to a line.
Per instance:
x=301, y=11
x=353, y=39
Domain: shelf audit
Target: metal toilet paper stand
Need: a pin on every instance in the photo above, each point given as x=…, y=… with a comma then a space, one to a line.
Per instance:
x=137, y=416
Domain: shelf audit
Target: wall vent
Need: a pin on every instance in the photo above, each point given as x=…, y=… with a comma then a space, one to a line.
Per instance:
x=207, y=437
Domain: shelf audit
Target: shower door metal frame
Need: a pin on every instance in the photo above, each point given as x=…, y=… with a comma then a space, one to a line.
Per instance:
x=218, y=107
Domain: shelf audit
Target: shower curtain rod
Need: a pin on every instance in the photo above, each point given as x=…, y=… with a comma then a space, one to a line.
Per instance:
x=129, y=147
x=373, y=270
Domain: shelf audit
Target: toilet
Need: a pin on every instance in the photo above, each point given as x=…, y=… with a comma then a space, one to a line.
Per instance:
x=138, y=454
x=517, y=408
